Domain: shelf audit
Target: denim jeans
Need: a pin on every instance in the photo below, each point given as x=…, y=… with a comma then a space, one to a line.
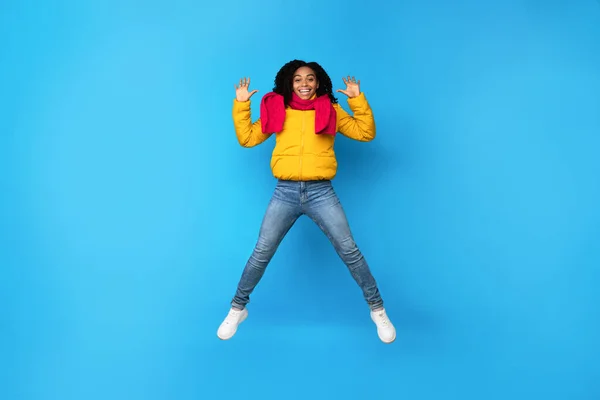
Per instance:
x=318, y=201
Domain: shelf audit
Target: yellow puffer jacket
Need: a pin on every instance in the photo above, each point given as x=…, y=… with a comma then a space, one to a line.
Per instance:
x=299, y=153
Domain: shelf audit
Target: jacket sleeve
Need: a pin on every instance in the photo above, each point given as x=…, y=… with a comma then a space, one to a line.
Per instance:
x=248, y=134
x=359, y=127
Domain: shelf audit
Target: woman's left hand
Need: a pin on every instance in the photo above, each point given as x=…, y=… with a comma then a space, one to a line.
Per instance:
x=352, y=87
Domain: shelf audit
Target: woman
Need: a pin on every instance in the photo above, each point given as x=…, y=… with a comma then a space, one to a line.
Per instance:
x=304, y=116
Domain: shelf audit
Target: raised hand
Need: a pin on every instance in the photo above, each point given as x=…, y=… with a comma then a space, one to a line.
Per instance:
x=352, y=87
x=241, y=90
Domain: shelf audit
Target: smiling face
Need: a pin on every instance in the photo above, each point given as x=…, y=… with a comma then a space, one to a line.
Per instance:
x=305, y=82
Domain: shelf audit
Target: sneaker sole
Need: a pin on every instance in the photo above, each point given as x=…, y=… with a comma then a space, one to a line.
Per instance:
x=391, y=341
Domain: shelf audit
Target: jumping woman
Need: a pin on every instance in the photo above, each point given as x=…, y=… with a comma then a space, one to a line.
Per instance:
x=304, y=116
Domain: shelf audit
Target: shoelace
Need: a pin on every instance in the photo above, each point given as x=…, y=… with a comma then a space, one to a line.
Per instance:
x=383, y=320
x=233, y=315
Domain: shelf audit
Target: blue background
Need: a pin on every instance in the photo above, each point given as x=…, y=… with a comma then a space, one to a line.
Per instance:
x=128, y=209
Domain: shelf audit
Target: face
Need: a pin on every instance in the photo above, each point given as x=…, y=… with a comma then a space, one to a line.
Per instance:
x=305, y=82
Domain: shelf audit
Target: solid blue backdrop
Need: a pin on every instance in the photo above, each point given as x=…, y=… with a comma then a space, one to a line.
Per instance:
x=129, y=209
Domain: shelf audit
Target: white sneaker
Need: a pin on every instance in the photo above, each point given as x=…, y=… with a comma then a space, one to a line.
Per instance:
x=385, y=328
x=230, y=325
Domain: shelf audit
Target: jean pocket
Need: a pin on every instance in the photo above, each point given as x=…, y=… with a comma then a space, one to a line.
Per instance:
x=286, y=191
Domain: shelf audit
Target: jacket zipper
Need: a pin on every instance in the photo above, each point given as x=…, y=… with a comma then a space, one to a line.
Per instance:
x=302, y=143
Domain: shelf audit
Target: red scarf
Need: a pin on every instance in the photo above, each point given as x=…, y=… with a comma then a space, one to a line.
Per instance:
x=272, y=112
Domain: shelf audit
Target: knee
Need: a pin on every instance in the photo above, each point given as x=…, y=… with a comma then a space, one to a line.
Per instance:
x=264, y=249
x=348, y=250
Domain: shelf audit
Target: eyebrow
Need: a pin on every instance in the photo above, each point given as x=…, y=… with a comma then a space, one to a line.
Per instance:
x=306, y=75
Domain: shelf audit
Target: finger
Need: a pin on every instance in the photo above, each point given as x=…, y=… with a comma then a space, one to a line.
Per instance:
x=353, y=79
x=342, y=91
x=252, y=92
x=344, y=79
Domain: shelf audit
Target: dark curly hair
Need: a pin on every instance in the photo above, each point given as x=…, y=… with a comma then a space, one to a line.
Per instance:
x=285, y=76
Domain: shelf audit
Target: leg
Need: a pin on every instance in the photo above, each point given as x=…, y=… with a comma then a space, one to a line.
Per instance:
x=325, y=209
x=282, y=213
x=280, y=216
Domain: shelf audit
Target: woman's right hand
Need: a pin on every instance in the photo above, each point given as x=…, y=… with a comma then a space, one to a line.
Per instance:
x=241, y=90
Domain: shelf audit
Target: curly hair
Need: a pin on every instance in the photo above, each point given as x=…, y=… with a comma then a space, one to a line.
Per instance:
x=285, y=76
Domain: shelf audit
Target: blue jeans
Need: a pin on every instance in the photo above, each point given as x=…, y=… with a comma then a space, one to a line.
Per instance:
x=317, y=200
